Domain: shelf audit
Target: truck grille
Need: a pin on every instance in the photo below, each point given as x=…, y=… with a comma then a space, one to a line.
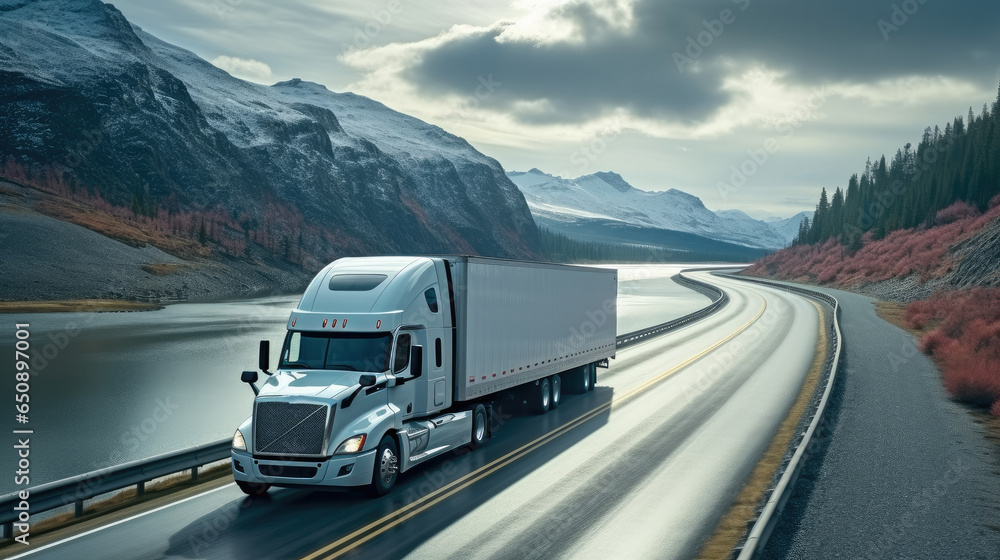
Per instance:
x=294, y=429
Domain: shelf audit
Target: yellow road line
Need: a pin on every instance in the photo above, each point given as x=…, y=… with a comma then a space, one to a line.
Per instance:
x=428, y=501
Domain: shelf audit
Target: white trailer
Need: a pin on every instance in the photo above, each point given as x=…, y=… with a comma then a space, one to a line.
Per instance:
x=391, y=361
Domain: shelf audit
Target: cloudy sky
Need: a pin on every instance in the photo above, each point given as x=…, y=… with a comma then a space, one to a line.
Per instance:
x=749, y=104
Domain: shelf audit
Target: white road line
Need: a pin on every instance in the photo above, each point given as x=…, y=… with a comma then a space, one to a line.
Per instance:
x=103, y=527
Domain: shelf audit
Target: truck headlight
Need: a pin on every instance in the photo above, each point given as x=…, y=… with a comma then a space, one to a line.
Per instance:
x=352, y=444
x=239, y=443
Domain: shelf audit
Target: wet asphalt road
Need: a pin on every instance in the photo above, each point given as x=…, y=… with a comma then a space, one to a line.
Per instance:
x=644, y=466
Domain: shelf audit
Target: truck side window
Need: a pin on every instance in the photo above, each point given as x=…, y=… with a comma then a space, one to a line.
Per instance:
x=437, y=352
x=432, y=300
x=402, y=353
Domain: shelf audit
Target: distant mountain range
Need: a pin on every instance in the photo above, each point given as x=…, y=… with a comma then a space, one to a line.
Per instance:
x=121, y=117
x=605, y=201
x=789, y=227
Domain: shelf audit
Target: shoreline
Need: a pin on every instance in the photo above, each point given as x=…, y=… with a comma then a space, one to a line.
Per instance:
x=77, y=306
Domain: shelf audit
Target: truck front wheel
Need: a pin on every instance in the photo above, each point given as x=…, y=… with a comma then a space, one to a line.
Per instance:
x=253, y=488
x=386, y=466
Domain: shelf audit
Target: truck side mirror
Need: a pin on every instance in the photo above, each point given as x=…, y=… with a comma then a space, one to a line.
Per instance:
x=416, y=361
x=264, y=356
x=366, y=380
x=250, y=378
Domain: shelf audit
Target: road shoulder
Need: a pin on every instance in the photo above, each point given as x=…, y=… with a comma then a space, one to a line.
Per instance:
x=904, y=471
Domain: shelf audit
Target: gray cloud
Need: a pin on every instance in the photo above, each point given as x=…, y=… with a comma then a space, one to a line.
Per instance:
x=811, y=42
x=578, y=81
x=843, y=40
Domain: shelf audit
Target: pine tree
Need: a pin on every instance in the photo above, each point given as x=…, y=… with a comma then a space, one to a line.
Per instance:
x=804, y=227
x=835, y=227
x=961, y=162
x=819, y=223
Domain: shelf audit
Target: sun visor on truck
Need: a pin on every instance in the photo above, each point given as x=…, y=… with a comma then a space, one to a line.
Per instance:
x=346, y=322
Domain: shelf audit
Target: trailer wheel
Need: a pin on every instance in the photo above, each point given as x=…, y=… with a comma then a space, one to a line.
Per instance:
x=540, y=396
x=253, y=488
x=556, y=384
x=578, y=379
x=386, y=466
x=480, y=427
x=593, y=376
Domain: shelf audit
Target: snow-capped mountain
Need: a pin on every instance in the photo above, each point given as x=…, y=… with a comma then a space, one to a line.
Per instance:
x=607, y=196
x=789, y=227
x=131, y=117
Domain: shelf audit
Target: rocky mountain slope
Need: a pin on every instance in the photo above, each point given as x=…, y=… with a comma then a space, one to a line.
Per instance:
x=99, y=111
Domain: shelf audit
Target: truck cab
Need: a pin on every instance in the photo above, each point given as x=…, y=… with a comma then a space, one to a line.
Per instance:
x=368, y=349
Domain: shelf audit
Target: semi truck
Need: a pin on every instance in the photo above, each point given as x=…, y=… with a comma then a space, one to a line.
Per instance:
x=389, y=362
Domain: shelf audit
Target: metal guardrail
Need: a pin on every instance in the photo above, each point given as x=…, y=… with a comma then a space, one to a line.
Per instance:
x=77, y=489
x=769, y=514
x=720, y=299
x=85, y=486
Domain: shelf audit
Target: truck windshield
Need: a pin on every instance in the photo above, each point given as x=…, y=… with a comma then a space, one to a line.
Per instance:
x=344, y=351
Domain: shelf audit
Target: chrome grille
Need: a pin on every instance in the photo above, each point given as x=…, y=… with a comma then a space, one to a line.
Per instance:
x=293, y=429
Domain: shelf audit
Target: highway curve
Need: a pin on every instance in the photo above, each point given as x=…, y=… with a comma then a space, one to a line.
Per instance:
x=642, y=467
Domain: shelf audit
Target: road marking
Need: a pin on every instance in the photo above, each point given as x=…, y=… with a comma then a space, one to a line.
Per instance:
x=732, y=526
x=379, y=526
x=119, y=522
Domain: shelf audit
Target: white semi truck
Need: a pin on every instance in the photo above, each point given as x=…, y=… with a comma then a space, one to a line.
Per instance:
x=391, y=361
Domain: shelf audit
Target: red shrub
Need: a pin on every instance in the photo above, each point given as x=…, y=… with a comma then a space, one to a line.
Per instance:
x=920, y=313
x=967, y=342
x=995, y=409
x=972, y=379
x=994, y=202
x=919, y=252
x=982, y=338
x=935, y=342
x=828, y=274
x=958, y=211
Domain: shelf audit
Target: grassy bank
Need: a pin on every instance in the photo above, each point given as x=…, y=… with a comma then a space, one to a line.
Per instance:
x=75, y=306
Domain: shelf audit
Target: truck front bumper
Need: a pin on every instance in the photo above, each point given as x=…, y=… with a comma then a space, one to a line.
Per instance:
x=338, y=471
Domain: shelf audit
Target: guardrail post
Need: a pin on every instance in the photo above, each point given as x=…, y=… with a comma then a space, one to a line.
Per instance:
x=140, y=489
x=194, y=474
x=78, y=508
